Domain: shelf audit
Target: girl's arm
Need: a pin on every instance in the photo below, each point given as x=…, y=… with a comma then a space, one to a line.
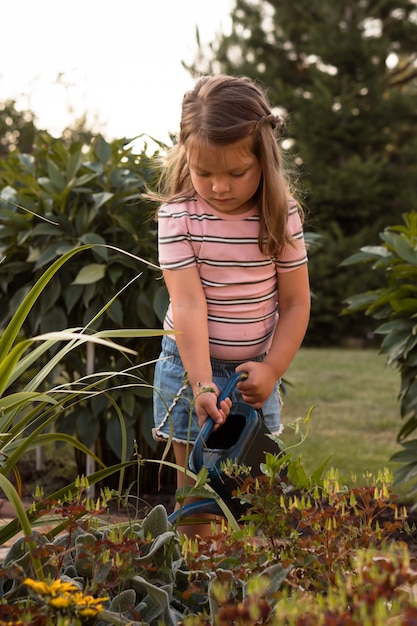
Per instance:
x=189, y=309
x=294, y=313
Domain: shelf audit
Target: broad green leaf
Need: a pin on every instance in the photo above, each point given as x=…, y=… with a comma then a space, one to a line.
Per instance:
x=115, y=312
x=87, y=429
x=358, y=257
x=317, y=475
x=83, y=180
x=298, y=475
x=14, y=218
x=47, y=184
x=394, y=346
x=28, y=162
x=74, y=164
x=94, y=238
x=405, y=250
x=394, y=326
x=120, y=438
x=101, y=198
x=56, y=176
x=404, y=474
x=91, y=273
x=45, y=228
x=64, y=247
x=48, y=254
x=102, y=149
x=365, y=255
x=160, y=302
x=127, y=402
x=147, y=313
x=34, y=254
x=8, y=195
x=407, y=429
x=202, y=477
x=72, y=296
x=82, y=219
x=360, y=301
x=380, y=251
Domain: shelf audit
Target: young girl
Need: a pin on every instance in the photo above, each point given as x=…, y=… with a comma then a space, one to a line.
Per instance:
x=232, y=252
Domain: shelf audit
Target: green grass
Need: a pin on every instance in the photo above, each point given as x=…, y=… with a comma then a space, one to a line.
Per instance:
x=356, y=415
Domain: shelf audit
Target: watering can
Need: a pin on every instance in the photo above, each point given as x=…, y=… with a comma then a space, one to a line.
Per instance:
x=242, y=439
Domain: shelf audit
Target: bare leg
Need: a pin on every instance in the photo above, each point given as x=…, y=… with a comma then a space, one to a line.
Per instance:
x=190, y=530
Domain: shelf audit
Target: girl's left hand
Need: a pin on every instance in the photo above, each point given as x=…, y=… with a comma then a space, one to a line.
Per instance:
x=259, y=384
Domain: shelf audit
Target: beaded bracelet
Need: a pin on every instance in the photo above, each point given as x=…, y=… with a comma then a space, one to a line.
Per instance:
x=204, y=388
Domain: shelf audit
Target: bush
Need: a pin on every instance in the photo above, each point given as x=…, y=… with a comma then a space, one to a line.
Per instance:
x=62, y=197
x=395, y=305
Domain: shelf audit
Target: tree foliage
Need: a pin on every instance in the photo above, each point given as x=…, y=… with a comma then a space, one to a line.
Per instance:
x=17, y=128
x=345, y=73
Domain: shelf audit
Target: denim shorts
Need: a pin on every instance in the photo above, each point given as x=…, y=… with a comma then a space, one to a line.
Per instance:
x=173, y=397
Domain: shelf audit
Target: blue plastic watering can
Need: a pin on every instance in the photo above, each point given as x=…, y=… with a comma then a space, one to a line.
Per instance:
x=242, y=439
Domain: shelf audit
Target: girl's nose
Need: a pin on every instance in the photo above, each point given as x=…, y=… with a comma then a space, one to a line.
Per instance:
x=220, y=185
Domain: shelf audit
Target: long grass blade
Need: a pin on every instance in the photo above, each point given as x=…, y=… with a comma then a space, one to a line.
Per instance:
x=23, y=520
x=12, y=330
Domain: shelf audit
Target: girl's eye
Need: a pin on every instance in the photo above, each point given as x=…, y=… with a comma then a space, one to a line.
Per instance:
x=202, y=174
x=238, y=174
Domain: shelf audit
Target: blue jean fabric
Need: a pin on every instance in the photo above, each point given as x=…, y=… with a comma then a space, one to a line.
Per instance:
x=173, y=397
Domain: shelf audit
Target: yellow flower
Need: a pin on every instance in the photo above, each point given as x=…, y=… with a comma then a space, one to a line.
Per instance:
x=90, y=612
x=88, y=604
x=64, y=595
x=59, y=586
x=61, y=602
x=79, y=598
x=55, y=588
x=38, y=587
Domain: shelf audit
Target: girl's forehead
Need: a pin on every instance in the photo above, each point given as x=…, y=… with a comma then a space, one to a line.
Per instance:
x=211, y=156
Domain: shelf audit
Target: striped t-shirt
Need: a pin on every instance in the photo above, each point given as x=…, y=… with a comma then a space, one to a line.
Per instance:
x=240, y=283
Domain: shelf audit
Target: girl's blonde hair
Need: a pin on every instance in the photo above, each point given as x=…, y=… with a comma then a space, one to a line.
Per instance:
x=222, y=110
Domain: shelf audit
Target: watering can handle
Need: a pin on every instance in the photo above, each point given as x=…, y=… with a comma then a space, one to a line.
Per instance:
x=196, y=458
x=231, y=383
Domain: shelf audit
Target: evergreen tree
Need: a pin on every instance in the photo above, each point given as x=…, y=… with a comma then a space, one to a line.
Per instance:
x=345, y=74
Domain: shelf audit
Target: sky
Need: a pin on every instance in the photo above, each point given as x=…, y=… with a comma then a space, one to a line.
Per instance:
x=119, y=61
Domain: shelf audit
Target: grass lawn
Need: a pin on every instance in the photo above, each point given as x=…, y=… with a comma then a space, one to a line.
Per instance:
x=356, y=415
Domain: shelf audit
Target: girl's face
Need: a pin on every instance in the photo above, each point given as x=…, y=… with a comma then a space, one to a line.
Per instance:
x=227, y=177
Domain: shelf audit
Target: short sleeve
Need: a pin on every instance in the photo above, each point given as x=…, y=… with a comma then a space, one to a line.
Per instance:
x=174, y=243
x=293, y=255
